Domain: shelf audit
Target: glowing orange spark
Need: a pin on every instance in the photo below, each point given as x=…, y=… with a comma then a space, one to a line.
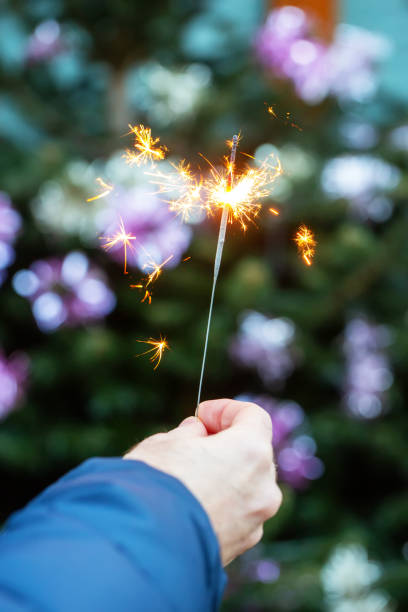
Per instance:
x=159, y=346
x=120, y=237
x=271, y=111
x=157, y=269
x=186, y=259
x=286, y=119
x=306, y=243
x=147, y=295
x=274, y=211
x=151, y=277
x=145, y=147
x=106, y=186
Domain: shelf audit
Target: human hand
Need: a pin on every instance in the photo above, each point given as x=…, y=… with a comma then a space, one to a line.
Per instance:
x=225, y=459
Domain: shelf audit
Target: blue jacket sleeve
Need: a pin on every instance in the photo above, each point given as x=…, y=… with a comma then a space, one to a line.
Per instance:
x=113, y=535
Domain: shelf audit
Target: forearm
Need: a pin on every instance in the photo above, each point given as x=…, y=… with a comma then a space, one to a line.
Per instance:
x=113, y=535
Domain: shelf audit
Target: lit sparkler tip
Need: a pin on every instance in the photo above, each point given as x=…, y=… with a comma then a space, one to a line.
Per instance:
x=306, y=243
x=234, y=142
x=223, y=188
x=145, y=147
x=157, y=350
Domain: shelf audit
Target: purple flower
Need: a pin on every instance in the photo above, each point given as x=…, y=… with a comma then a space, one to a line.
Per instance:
x=64, y=291
x=13, y=377
x=344, y=69
x=368, y=373
x=10, y=223
x=265, y=343
x=261, y=570
x=158, y=232
x=294, y=450
x=45, y=42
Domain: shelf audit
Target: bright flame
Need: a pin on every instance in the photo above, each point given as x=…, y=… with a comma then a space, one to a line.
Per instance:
x=157, y=350
x=223, y=187
x=120, y=237
x=306, y=243
x=107, y=189
x=241, y=192
x=145, y=147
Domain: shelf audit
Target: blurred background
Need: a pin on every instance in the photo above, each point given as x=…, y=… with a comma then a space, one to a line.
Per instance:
x=323, y=348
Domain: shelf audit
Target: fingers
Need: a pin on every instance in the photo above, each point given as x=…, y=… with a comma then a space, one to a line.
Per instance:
x=218, y=415
x=191, y=427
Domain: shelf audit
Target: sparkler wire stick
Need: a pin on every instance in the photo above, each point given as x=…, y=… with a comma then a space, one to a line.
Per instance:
x=217, y=263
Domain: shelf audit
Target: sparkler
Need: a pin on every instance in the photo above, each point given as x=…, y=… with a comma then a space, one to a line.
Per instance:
x=218, y=255
x=120, y=237
x=157, y=350
x=237, y=195
x=107, y=189
x=306, y=243
x=146, y=148
x=217, y=262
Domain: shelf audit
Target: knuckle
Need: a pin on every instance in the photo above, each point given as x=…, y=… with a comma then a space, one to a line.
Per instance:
x=159, y=437
x=255, y=537
x=259, y=453
x=274, y=502
x=251, y=449
x=271, y=502
x=266, y=420
x=262, y=416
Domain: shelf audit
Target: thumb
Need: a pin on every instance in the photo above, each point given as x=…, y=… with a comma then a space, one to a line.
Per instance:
x=220, y=415
x=191, y=427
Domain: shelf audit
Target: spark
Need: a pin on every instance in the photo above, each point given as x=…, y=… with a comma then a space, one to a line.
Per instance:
x=120, y=237
x=306, y=243
x=271, y=111
x=157, y=350
x=147, y=297
x=145, y=147
x=286, y=119
x=107, y=189
x=274, y=211
x=180, y=181
x=151, y=277
x=157, y=269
